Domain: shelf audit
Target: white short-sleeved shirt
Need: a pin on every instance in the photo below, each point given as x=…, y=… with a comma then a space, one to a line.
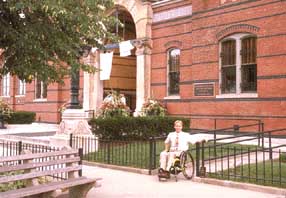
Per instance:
x=184, y=139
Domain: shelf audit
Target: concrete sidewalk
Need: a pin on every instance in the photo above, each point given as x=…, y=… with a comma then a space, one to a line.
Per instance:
x=123, y=184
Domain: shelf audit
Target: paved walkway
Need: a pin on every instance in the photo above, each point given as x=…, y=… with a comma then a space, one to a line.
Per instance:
x=123, y=184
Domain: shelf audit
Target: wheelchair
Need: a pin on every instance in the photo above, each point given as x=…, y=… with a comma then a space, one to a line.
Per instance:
x=181, y=164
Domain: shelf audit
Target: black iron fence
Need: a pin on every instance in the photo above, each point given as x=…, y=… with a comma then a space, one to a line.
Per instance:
x=13, y=148
x=139, y=153
x=254, y=157
x=242, y=158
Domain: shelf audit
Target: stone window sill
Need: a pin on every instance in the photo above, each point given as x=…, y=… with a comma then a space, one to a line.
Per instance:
x=242, y=95
x=172, y=97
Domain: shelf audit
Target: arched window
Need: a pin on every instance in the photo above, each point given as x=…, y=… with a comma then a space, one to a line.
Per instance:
x=228, y=66
x=248, y=65
x=174, y=72
x=238, y=68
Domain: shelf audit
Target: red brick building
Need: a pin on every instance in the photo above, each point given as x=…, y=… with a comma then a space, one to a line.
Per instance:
x=204, y=59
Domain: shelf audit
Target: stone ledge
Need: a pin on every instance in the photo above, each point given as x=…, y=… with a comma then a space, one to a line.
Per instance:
x=245, y=186
x=122, y=168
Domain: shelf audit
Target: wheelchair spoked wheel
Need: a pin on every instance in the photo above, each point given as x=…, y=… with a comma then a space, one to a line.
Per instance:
x=188, y=165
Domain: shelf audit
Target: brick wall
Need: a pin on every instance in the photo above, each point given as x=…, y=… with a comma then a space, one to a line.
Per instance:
x=200, y=34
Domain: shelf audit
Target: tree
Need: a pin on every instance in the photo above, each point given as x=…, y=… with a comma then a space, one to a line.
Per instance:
x=45, y=39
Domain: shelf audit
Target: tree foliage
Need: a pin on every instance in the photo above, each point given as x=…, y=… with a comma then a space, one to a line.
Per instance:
x=46, y=38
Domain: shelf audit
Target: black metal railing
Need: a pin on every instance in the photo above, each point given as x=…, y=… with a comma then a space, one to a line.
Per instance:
x=249, y=156
x=139, y=153
x=245, y=160
x=13, y=148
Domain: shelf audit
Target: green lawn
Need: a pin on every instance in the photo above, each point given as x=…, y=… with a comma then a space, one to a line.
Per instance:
x=137, y=153
x=269, y=174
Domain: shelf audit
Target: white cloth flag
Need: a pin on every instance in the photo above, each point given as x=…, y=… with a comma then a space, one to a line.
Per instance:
x=125, y=48
x=105, y=65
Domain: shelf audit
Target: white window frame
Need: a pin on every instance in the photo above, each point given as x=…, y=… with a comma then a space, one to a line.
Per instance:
x=21, y=88
x=6, y=85
x=238, y=94
x=41, y=92
x=171, y=96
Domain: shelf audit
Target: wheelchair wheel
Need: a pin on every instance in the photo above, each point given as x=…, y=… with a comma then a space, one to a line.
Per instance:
x=188, y=165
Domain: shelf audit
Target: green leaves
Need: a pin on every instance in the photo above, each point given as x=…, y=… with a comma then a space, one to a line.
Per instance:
x=45, y=38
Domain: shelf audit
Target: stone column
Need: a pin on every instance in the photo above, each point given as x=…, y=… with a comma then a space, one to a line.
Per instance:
x=93, y=86
x=96, y=95
x=143, y=61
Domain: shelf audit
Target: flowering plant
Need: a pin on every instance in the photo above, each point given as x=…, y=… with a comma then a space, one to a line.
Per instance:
x=153, y=108
x=5, y=110
x=114, y=105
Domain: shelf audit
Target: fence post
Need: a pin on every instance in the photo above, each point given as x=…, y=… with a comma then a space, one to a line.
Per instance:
x=154, y=153
x=80, y=153
x=20, y=147
x=259, y=132
x=270, y=146
x=20, y=150
x=203, y=168
x=71, y=137
x=215, y=123
x=151, y=154
x=262, y=129
x=108, y=152
x=236, y=128
x=197, y=159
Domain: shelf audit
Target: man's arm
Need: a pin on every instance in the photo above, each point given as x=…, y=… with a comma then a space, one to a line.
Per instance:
x=167, y=147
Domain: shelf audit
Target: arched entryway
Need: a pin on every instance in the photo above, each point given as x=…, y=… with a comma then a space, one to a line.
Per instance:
x=141, y=13
x=123, y=74
x=130, y=75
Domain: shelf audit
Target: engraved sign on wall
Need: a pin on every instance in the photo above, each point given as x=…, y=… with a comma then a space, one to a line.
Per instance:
x=204, y=89
x=172, y=13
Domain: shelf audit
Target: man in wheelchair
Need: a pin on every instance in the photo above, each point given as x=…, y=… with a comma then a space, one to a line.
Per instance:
x=175, y=143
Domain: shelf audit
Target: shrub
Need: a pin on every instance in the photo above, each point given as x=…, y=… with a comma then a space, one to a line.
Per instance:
x=135, y=127
x=12, y=185
x=21, y=117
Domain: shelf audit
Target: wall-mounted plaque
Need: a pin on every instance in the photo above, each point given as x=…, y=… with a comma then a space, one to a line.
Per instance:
x=204, y=89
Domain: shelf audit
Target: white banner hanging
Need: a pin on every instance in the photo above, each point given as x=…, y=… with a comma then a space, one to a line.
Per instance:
x=105, y=65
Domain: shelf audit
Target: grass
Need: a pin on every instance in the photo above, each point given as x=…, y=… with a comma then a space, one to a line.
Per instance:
x=137, y=153
x=268, y=174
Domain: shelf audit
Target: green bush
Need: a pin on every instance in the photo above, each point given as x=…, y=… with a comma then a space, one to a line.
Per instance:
x=21, y=117
x=12, y=185
x=135, y=127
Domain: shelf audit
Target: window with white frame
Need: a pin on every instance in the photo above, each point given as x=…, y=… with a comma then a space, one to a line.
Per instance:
x=6, y=85
x=173, y=72
x=21, y=87
x=40, y=90
x=238, y=68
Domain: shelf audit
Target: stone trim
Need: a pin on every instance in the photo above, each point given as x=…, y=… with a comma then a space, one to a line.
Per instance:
x=235, y=22
x=270, y=99
x=237, y=10
x=237, y=28
x=173, y=44
x=161, y=3
x=172, y=13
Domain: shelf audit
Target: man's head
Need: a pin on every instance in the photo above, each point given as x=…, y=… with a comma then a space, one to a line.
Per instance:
x=178, y=125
